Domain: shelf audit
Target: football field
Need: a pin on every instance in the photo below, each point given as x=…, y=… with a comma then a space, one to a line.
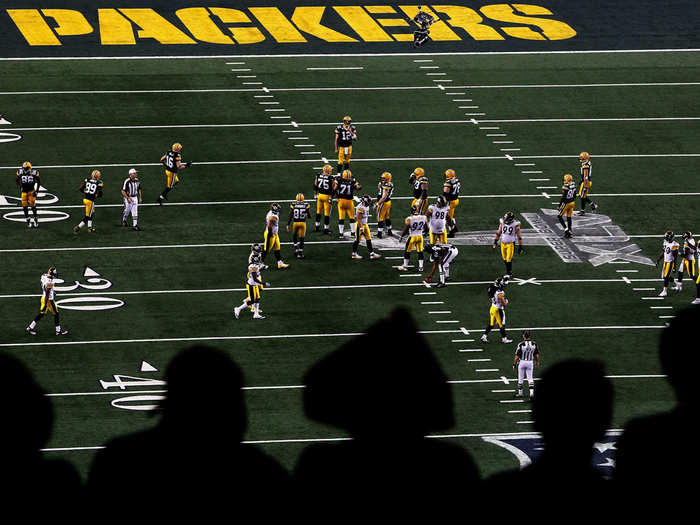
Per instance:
x=257, y=130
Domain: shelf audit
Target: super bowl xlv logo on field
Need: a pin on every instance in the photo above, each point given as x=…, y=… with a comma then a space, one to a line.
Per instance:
x=597, y=240
x=338, y=24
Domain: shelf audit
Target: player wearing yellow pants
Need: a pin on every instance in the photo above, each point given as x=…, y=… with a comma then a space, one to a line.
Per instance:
x=172, y=161
x=385, y=191
x=48, y=302
x=669, y=254
x=92, y=190
x=299, y=211
x=29, y=182
x=566, y=204
x=345, y=134
x=497, y=311
x=271, y=235
x=362, y=229
x=450, y=190
x=688, y=263
x=344, y=187
x=415, y=226
x=254, y=286
x=586, y=182
x=323, y=192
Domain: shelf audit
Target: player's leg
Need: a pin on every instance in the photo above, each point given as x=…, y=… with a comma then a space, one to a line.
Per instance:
x=346, y=157
x=356, y=244
x=135, y=214
x=91, y=216
x=126, y=212
x=319, y=211
x=56, y=320
x=419, y=244
x=25, y=208
x=697, y=290
x=407, y=254
x=341, y=216
x=301, y=234
x=560, y=215
x=507, y=249
x=530, y=380
x=327, y=214
x=256, y=303
x=489, y=327
x=569, y=212
x=246, y=302
x=521, y=377
x=32, y=204
x=380, y=220
x=341, y=160
x=351, y=215
x=368, y=237
x=278, y=255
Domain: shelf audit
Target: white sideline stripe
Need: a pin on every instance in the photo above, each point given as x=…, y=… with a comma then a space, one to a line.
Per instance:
x=440, y=312
x=333, y=68
x=666, y=316
x=419, y=293
x=626, y=271
x=478, y=360
x=652, y=298
x=444, y=322
x=432, y=302
x=386, y=88
x=529, y=164
x=661, y=307
x=527, y=411
x=463, y=340
x=537, y=180
x=524, y=422
x=487, y=370
x=643, y=289
x=502, y=391
x=497, y=135
x=470, y=350
x=428, y=67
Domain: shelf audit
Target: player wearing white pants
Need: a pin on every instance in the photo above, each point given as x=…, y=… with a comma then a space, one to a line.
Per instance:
x=527, y=358
x=131, y=191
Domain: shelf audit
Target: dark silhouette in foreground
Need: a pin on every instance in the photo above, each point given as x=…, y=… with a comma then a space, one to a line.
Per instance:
x=572, y=410
x=386, y=389
x=657, y=458
x=29, y=479
x=193, y=458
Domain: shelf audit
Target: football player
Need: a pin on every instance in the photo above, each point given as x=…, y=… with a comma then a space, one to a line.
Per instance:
x=669, y=254
x=345, y=134
x=272, y=238
x=344, y=187
x=254, y=286
x=383, y=206
x=442, y=255
x=586, y=183
x=508, y=231
x=323, y=192
x=28, y=182
x=172, y=161
x=688, y=256
x=420, y=184
x=362, y=229
x=424, y=20
x=299, y=211
x=92, y=190
x=450, y=190
x=566, y=204
x=437, y=218
x=415, y=226
x=48, y=302
x=256, y=249
x=497, y=311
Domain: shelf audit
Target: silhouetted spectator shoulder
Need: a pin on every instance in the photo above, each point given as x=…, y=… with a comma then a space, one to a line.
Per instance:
x=194, y=455
x=385, y=389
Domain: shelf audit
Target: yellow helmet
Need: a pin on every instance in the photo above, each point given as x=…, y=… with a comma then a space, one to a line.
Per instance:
x=386, y=177
x=300, y=197
x=327, y=170
x=450, y=174
x=27, y=166
x=347, y=174
x=95, y=174
x=177, y=147
x=419, y=172
x=568, y=178
x=347, y=119
x=584, y=156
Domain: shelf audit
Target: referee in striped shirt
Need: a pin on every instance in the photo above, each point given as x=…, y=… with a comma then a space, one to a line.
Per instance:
x=131, y=191
x=527, y=357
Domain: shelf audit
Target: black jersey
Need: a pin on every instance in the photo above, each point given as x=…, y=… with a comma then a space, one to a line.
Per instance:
x=345, y=136
x=28, y=180
x=346, y=188
x=417, y=190
x=324, y=184
x=300, y=211
x=170, y=161
x=451, y=189
x=385, y=186
x=568, y=192
x=92, y=188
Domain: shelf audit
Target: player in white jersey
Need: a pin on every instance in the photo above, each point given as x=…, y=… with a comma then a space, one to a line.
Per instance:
x=442, y=255
x=688, y=260
x=497, y=311
x=415, y=226
x=254, y=285
x=362, y=228
x=272, y=238
x=48, y=302
x=527, y=357
x=438, y=217
x=508, y=232
x=669, y=254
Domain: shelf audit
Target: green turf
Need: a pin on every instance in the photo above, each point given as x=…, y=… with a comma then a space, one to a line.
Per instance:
x=328, y=293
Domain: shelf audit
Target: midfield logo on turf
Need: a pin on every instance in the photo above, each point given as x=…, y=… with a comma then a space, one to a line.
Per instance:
x=527, y=448
x=597, y=240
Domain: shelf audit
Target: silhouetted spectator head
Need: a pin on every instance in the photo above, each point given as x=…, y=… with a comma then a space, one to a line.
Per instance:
x=27, y=415
x=573, y=405
x=204, y=399
x=384, y=383
x=677, y=352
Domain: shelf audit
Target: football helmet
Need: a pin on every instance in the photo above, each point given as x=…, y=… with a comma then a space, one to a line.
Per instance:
x=568, y=178
x=386, y=177
x=177, y=147
x=27, y=166
x=327, y=170
x=584, y=156
x=441, y=201
x=366, y=200
x=450, y=174
x=347, y=174
x=347, y=119
x=52, y=271
x=95, y=174
x=300, y=197
x=669, y=235
x=275, y=208
x=687, y=235
x=415, y=210
x=499, y=283
x=256, y=248
x=509, y=217
x=418, y=172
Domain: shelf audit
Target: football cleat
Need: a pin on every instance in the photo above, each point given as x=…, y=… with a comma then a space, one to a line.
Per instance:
x=76, y=229
x=327, y=169
x=299, y=197
x=237, y=312
x=385, y=177
x=594, y=206
x=31, y=331
x=696, y=301
x=95, y=174
x=124, y=223
x=27, y=166
x=678, y=287
x=29, y=224
x=568, y=234
x=281, y=265
x=505, y=340
x=584, y=156
x=441, y=201
x=567, y=178
x=91, y=230
x=36, y=223
x=347, y=174
x=450, y=174
x=519, y=394
x=484, y=338
x=669, y=235
x=137, y=228
x=177, y=147
x=402, y=268
x=374, y=256
x=275, y=208
x=356, y=256
x=258, y=316
x=61, y=332
x=663, y=293
x=508, y=217
x=440, y=285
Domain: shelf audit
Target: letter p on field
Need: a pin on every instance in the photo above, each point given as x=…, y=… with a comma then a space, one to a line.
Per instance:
x=36, y=29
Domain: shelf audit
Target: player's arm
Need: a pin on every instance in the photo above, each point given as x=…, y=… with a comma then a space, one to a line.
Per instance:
x=385, y=195
x=498, y=235
x=17, y=180
x=82, y=187
x=37, y=183
x=291, y=216
x=140, y=195
x=424, y=191
x=270, y=224
x=125, y=195
x=315, y=187
x=520, y=239
x=536, y=357
x=336, y=140
x=585, y=171
x=446, y=190
x=354, y=132
x=516, y=359
x=358, y=187
x=661, y=256
x=100, y=187
x=432, y=272
x=502, y=299
x=182, y=165
x=404, y=231
x=162, y=159
x=564, y=191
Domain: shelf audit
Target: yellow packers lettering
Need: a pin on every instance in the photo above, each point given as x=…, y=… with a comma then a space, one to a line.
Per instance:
x=333, y=24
